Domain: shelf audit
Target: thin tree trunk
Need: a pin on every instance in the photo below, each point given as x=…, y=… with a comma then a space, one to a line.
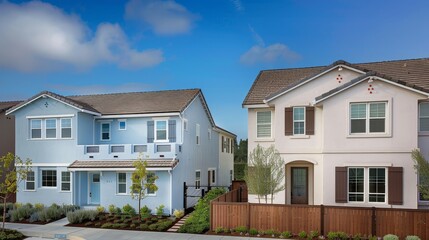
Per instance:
x=140, y=200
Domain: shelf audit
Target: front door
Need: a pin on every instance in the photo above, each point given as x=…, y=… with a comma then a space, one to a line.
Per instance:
x=94, y=188
x=299, y=176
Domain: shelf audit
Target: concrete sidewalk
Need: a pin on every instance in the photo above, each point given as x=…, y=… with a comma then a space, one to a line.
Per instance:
x=48, y=231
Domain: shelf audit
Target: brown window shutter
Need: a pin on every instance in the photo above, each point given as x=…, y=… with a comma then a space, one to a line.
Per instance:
x=340, y=184
x=223, y=143
x=395, y=187
x=309, y=120
x=288, y=121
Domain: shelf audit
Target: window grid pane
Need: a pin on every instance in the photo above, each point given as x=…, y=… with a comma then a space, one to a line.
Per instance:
x=358, y=111
x=122, y=125
x=36, y=128
x=161, y=130
x=377, y=110
x=30, y=181
x=356, y=184
x=122, y=183
x=377, y=184
x=66, y=128
x=263, y=120
x=105, y=131
x=49, y=178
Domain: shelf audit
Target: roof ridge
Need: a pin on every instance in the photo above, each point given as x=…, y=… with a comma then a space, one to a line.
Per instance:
x=120, y=93
x=397, y=60
x=294, y=68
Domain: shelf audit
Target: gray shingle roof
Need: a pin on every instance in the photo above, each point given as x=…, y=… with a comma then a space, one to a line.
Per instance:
x=6, y=105
x=164, y=163
x=413, y=72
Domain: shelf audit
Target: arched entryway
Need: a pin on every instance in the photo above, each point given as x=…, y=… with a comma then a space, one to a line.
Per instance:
x=299, y=182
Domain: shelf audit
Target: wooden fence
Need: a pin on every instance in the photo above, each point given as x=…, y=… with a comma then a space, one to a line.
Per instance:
x=226, y=211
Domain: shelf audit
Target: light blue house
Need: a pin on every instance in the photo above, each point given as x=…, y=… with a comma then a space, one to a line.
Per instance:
x=83, y=147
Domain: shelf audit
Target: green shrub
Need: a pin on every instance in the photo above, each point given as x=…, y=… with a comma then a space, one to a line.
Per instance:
x=286, y=234
x=128, y=209
x=332, y=235
x=39, y=206
x=68, y=208
x=80, y=216
x=372, y=237
x=9, y=234
x=100, y=209
x=119, y=225
x=199, y=221
x=270, y=232
x=342, y=235
x=219, y=230
x=412, y=238
x=179, y=213
x=21, y=213
x=226, y=230
x=144, y=227
x=162, y=226
x=112, y=209
x=253, y=231
x=145, y=212
x=17, y=205
x=135, y=221
x=107, y=225
x=132, y=225
x=34, y=217
x=390, y=237
x=241, y=229
x=51, y=213
x=302, y=235
x=160, y=210
x=153, y=226
x=313, y=234
x=357, y=236
x=118, y=221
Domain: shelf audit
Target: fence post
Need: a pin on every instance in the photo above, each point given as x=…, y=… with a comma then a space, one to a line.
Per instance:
x=239, y=194
x=185, y=190
x=248, y=215
x=373, y=223
x=322, y=220
x=211, y=215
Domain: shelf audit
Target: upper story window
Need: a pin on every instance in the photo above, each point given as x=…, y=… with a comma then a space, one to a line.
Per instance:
x=424, y=117
x=161, y=130
x=197, y=179
x=66, y=128
x=36, y=128
x=263, y=124
x=298, y=120
x=122, y=124
x=51, y=128
x=368, y=117
x=105, y=131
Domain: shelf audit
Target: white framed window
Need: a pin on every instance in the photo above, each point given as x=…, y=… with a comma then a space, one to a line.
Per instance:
x=122, y=124
x=368, y=117
x=367, y=184
x=139, y=148
x=263, y=124
x=197, y=134
x=51, y=128
x=105, y=131
x=150, y=179
x=30, y=181
x=161, y=130
x=65, y=181
x=298, y=120
x=121, y=180
x=49, y=178
x=36, y=128
x=356, y=189
x=197, y=179
x=66, y=127
x=424, y=117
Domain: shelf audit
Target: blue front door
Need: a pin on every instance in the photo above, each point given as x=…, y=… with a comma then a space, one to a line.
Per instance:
x=94, y=188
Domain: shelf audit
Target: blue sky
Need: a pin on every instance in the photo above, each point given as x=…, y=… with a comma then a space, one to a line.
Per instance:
x=83, y=47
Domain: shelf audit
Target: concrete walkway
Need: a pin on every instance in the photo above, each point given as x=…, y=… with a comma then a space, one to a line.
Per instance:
x=48, y=231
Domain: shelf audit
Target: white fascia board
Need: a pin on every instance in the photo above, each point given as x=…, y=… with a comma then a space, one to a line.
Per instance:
x=52, y=116
x=116, y=169
x=375, y=78
x=312, y=78
x=123, y=116
x=256, y=106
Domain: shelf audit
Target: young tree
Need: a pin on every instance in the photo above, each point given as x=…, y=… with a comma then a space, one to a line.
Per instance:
x=12, y=171
x=265, y=173
x=240, y=159
x=142, y=181
x=422, y=169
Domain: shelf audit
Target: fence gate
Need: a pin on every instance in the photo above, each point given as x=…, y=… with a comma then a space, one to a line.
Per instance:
x=192, y=193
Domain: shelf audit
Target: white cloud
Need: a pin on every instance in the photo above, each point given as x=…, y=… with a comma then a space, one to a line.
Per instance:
x=271, y=53
x=164, y=17
x=38, y=36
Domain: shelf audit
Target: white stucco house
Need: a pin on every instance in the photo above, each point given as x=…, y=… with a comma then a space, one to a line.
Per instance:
x=345, y=131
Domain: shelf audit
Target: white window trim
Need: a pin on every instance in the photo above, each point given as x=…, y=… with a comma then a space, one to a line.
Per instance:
x=101, y=131
x=117, y=184
x=41, y=176
x=138, y=144
x=422, y=103
x=366, y=186
x=35, y=186
x=56, y=128
x=151, y=194
x=71, y=128
x=119, y=124
x=31, y=129
x=69, y=182
x=199, y=180
x=156, y=129
x=387, y=124
x=211, y=176
x=294, y=121
x=271, y=125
